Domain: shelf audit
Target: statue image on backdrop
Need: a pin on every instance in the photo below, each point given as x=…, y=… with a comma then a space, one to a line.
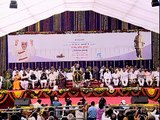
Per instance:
x=25, y=51
x=139, y=44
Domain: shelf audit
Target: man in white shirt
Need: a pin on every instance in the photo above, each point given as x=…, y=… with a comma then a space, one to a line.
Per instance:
x=156, y=76
x=107, y=77
x=1, y=80
x=124, y=77
x=132, y=77
x=38, y=72
x=115, y=77
x=102, y=72
x=52, y=79
x=24, y=80
x=141, y=77
x=37, y=104
x=149, y=77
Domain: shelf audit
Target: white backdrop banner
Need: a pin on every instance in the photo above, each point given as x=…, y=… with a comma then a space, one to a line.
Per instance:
x=76, y=47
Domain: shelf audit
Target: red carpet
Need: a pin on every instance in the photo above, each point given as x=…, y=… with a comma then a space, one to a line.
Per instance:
x=110, y=100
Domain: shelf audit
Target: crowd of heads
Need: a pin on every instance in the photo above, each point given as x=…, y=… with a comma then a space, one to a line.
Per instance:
x=85, y=111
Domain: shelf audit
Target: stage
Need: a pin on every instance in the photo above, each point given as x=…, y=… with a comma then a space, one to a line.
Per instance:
x=7, y=97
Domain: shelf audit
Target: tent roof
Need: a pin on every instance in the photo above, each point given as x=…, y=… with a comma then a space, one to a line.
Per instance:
x=136, y=12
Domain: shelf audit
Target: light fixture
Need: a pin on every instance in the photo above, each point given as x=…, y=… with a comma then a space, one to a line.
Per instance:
x=155, y=3
x=13, y=4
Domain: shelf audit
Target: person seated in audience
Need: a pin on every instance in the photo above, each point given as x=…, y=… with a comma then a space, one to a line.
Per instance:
x=79, y=113
x=24, y=80
x=115, y=78
x=16, y=83
x=92, y=111
x=43, y=79
x=123, y=105
x=107, y=77
x=124, y=77
x=107, y=114
x=148, y=77
x=33, y=79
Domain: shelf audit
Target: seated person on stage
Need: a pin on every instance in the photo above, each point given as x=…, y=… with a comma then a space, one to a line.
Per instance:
x=132, y=77
x=69, y=75
x=107, y=77
x=87, y=76
x=141, y=78
x=43, y=79
x=156, y=76
x=77, y=79
x=102, y=69
x=24, y=80
x=115, y=78
x=16, y=83
x=33, y=79
x=148, y=77
x=124, y=77
x=8, y=81
x=52, y=79
x=62, y=79
x=1, y=80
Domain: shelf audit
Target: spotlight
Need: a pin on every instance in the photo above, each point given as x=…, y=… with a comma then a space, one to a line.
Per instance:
x=13, y=4
x=155, y=3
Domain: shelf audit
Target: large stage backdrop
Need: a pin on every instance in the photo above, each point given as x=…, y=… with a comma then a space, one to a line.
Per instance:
x=76, y=47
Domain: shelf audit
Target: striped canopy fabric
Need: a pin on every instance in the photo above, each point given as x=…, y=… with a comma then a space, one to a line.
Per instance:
x=28, y=12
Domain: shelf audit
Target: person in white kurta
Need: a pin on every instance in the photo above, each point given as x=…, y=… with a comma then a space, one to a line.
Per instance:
x=141, y=77
x=124, y=77
x=148, y=77
x=132, y=77
x=107, y=77
x=115, y=77
x=52, y=79
x=102, y=72
x=156, y=76
x=1, y=80
x=25, y=51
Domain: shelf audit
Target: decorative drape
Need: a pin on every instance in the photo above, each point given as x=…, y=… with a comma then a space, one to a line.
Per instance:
x=151, y=93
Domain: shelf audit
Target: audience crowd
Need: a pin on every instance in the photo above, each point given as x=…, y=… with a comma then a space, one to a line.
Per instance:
x=52, y=78
x=82, y=111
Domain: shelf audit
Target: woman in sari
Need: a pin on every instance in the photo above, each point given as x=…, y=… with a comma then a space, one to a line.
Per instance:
x=7, y=81
x=16, y=83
